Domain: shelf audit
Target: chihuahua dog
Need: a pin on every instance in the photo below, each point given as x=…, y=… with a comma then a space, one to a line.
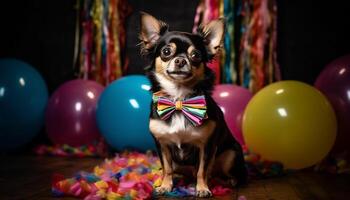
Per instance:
x=188, y=126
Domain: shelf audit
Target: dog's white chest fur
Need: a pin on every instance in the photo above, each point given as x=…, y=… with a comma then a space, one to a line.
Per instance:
x=175, y=131
x=177, y=124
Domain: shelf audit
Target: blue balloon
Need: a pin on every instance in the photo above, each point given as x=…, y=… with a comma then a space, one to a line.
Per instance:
x=123, y=113
x=23, y=98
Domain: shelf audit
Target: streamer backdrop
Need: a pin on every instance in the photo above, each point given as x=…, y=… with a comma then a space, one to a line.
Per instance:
x=102, y=38
x=249, y=54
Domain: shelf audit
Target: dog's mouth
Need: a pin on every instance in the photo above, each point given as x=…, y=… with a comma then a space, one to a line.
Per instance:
x=179, y=74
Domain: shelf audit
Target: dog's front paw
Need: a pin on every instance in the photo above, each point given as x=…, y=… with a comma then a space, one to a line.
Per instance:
x=203, y=193
x=162, y=190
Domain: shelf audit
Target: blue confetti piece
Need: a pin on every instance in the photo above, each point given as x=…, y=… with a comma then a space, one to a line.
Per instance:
x=124, y=171
x=118, y=175
x=56, y=193
x=143, y=170
x=78, y=177
x=91, y=178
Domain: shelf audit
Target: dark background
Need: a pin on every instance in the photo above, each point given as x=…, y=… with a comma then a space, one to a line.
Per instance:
x=41, y=32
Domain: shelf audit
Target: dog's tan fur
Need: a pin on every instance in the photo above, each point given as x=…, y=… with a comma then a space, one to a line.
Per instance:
x=194, y=135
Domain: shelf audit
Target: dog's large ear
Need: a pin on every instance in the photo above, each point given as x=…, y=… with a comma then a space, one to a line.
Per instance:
x=151, y=30
x=213, y=34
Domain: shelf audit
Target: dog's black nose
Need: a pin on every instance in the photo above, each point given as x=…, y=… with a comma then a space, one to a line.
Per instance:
x=180, y=62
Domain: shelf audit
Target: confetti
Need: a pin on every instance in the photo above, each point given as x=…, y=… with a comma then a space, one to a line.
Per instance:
x=130, y=175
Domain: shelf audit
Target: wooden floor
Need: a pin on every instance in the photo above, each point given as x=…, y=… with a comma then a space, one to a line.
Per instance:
x=29, y=177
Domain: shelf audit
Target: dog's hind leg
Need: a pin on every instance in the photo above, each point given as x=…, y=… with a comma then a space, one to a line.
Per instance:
x=232, y=167
x=239, y=170
x=224, y=164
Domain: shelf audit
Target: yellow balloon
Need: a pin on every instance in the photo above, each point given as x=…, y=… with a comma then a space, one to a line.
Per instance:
x=290, y=122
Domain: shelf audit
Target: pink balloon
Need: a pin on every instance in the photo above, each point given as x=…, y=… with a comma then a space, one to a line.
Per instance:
x=70, y=114
x=232, y=100
x=334, y=83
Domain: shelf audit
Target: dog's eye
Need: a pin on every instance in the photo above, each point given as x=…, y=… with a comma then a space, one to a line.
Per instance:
x=195, y=56
x=167, y=51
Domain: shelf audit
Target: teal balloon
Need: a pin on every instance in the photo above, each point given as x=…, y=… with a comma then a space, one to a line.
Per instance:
x=123, y=114
x=23, y=98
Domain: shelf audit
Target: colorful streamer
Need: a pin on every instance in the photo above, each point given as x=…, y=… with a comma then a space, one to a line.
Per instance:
x=258, y=63
x=259, y=168
x=334, y=164
x=229, y=74
x=208, y=10
x=252, y=24
x=96, y=149
x=68, y=151
x=102, y=39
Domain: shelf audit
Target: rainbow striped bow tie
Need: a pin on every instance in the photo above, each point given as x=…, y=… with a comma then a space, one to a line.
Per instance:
x=194, y=109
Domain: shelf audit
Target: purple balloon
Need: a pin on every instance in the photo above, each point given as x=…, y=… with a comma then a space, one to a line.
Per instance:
x=70, y=114
x=334, y=83
x=232, y=100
